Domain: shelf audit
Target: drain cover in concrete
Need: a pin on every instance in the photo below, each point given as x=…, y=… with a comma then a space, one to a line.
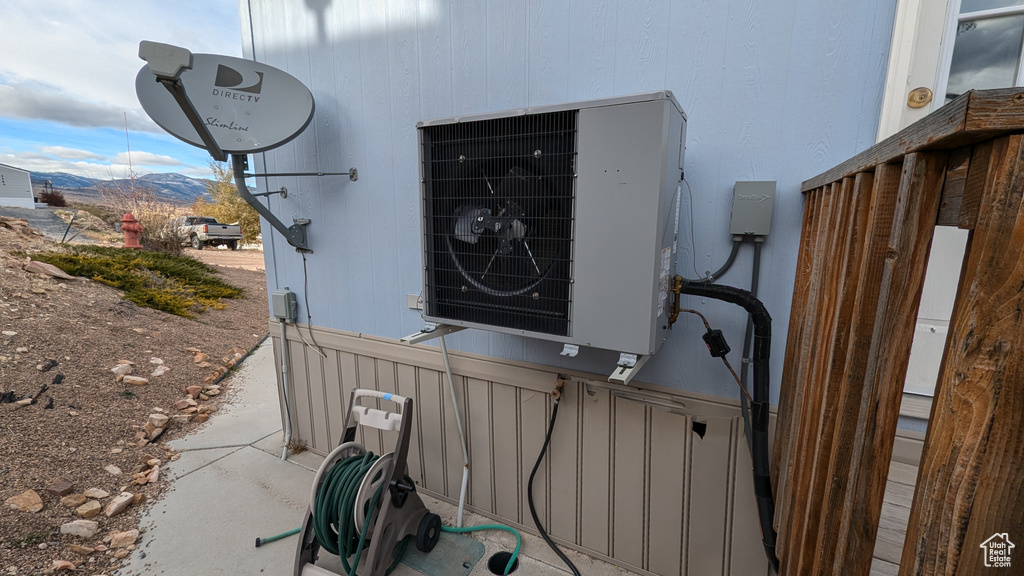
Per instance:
x=454, y=555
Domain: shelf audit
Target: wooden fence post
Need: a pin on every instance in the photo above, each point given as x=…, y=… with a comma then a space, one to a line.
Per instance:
x=972, y=471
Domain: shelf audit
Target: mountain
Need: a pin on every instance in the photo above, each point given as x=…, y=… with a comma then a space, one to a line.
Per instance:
x=172, y=187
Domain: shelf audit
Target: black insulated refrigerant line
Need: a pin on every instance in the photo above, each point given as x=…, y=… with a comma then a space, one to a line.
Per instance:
x=759, y=408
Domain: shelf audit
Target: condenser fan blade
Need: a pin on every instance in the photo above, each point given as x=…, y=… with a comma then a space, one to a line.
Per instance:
x=466, y=221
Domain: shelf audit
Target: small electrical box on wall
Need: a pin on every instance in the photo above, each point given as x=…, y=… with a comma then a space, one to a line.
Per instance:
x=283, y=305
x=752, y=204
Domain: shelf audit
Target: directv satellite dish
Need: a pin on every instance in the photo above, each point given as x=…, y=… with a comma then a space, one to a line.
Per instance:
x=246, y=106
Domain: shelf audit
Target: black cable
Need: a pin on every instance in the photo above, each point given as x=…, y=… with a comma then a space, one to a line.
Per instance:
x=712, y=276
x=760, y=407
x=747, y=339
x=305, y=303
x=529, y=494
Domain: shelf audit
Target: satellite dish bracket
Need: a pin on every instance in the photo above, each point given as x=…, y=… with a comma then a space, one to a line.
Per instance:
x=294, y=234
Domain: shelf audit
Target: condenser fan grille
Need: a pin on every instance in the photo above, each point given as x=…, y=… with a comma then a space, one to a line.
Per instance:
x=498, y=219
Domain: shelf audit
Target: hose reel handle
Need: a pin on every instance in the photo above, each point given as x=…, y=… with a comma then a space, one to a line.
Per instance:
x=359, y=392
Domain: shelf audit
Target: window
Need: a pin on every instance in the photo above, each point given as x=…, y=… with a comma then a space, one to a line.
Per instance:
x=988, y=46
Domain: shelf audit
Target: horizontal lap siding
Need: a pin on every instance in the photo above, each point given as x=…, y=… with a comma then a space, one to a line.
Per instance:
x=623, y=480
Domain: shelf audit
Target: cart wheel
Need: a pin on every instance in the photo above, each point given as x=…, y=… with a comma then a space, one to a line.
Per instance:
x=429, y=532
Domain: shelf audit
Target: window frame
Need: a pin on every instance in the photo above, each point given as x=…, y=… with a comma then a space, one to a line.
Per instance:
x=953, y=20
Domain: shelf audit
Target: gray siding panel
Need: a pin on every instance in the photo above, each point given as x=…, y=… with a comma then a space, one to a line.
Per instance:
x=623, y=480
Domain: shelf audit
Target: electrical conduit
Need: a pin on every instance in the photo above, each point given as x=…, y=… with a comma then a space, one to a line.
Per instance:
x=285, y=383
x=462, y=433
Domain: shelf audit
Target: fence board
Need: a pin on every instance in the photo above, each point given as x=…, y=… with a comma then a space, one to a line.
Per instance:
x=972, y=468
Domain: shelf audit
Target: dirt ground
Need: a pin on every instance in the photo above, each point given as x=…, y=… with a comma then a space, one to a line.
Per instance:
x=59, y=340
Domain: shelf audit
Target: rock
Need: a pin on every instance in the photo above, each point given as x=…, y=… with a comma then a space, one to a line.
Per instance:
x=153, y=462
x=27, y=501
x=113, y=470
x=63, y=565
x=73, y=500
x=123, y=539
x=128, y=362
x=156, y=360
x=193, y=350
x=148, y=428
x=185, y=403
x=122, y=369
x=200, y=418
x=83, y=550
x=200, y=358
x=190, y=410
x=23, y=402
x=101, y=548
x=96, y=493
x=21, y=349
x=204, y=409
x=194, y=391
x=135, y=380
x=80, y=528
x=160, y=371
x=238, y=351
x=118, y=505
x=205, y=364
x=155, y=433
x=116, y=450
x=9, y=333
x=153, y=475
x=210, y=379
x=60, y=487
x=159, y=420
x=213, y=392
x=46, y=366
x=121, y=553
x=89, y=509
x=42, y=546
x=138, y=498
x=180, y=419
x=203, y=398
x=48, y=269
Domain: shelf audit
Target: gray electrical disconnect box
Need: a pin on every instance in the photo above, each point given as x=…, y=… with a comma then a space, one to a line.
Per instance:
x=752, y=204
x=283, y=305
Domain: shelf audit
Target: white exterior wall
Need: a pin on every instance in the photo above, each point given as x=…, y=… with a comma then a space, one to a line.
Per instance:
x=15, y=187
x=773, y=91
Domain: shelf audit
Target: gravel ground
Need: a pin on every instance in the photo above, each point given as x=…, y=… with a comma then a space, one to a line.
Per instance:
x=59, y=340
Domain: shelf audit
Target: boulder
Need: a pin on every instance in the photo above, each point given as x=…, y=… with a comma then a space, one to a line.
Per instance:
x=123, y=539
x=73, y=500
x=89, y=509
x=80, y=528
x=60, y=487
x=159, y=420
x=118, y=505
x=135, y=380
x=27, y=501
x=48, y=269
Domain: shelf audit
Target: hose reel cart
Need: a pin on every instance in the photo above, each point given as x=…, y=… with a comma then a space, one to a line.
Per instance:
x=361, y=501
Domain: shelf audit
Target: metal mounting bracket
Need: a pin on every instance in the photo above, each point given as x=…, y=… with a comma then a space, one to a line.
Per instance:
x=352, y=174
x=431, y=331
x=628, y=366
x=294, y=234
x=283, y=192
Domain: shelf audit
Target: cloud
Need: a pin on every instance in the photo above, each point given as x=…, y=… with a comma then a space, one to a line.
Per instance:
x=32, y=103
x=82, y=57
x=146, y=159
x=36, y=162
x=71, y=153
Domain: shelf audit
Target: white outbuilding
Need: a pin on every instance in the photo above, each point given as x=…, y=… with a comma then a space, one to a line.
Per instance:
x=15, y=187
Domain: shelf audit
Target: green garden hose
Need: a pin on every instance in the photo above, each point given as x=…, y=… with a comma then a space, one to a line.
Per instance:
x=333, y=513
x=519, y=541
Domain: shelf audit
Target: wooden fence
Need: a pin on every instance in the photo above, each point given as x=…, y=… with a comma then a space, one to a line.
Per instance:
x=867, y=230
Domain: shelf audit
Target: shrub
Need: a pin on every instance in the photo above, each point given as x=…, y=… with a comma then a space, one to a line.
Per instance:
x=175, y=284
x=53, y=198
x=161, y=233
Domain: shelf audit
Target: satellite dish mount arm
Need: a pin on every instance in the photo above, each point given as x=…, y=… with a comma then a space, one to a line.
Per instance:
x=294, y=234
x=167, y=62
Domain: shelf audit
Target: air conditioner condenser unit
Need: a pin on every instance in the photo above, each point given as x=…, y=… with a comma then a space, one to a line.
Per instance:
x=558, y=222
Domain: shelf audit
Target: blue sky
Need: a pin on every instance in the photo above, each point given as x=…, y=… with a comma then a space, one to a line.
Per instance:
x=67, y=82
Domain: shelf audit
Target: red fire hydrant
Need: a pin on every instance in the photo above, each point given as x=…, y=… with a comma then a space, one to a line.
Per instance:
x=132, y=230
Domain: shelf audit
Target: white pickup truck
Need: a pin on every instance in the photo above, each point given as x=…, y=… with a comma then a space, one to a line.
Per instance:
x=199, y=231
